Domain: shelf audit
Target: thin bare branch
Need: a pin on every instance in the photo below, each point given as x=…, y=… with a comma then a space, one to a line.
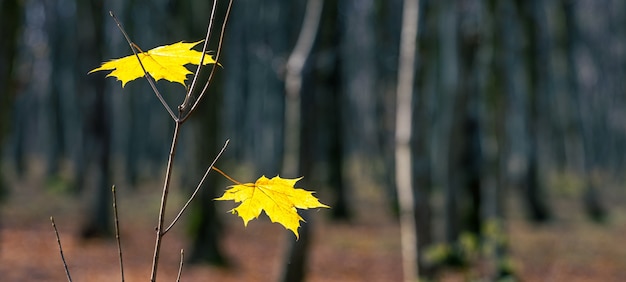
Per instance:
x=146, y=74
x=166, y=186
x=117, y=231
x=186, y=102
x=217, y=58
x=180, y=266
x=56, y=232
x=193, y=195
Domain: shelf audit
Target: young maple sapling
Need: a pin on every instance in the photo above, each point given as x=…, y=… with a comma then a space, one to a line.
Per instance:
x=276, y=196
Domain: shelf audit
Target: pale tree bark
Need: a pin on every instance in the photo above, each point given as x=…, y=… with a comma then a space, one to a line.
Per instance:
x=299, y=149
x=403, y=155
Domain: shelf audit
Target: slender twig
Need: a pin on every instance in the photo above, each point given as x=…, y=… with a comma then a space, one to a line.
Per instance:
x=186, y=102
x=117, y=231
x=180, y=266
x=56, y=232
x=166, y=185
x=217, y=57
x=146, y=73
x=193, y=195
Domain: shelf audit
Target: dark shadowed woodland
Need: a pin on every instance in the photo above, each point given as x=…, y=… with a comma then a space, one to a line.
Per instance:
x=503, y=121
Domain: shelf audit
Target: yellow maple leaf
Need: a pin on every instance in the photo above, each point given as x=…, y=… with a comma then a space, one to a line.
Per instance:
x=163, y=62
x=277, y=197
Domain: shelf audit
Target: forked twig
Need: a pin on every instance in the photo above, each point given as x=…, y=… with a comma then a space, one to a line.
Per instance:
x=179, y=119
x=217, y=57
x=56, y=232
x=180, y=266
x=185, y=103
x=146, y=73
x=193, y=195
x=117, y=231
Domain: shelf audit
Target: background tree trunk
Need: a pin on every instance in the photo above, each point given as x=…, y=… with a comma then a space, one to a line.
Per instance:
x=258, y=40
x=582, y=139
x=358, y=75
x=534, y=19
x=96, y=104
x=300, y=118
x=496, y=146
x=421, y=140
x=10, y=20
x=404, y=135
x=325, y=84
x=449, y=67
x=189, y=19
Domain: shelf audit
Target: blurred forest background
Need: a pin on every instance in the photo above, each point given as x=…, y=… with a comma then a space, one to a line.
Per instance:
x=519, y=123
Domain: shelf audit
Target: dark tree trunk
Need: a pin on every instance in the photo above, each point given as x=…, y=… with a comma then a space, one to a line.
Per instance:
x=206, y=226
x=448, y=83
x=336, y=178
x=534, y=19
x=300, y=120
x=582, y=140
x=387, y=27
x=358, y=76
x=471, y=160
x=327, y=86
x=10, y=20
x=257, y=41
x=421, y=144
x=190, y=21
x=465, y=167
x=97, y=120
x=495, y=111
x=61, y=107
x=464, y=159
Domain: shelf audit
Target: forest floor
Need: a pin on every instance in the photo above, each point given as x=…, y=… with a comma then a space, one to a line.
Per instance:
x=366, y=249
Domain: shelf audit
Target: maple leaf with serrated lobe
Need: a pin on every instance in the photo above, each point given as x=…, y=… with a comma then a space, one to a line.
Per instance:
x=277, y=197
x=163, y=62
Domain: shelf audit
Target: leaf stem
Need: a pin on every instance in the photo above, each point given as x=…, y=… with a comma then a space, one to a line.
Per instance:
x=136, y=46
x=226, y=175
